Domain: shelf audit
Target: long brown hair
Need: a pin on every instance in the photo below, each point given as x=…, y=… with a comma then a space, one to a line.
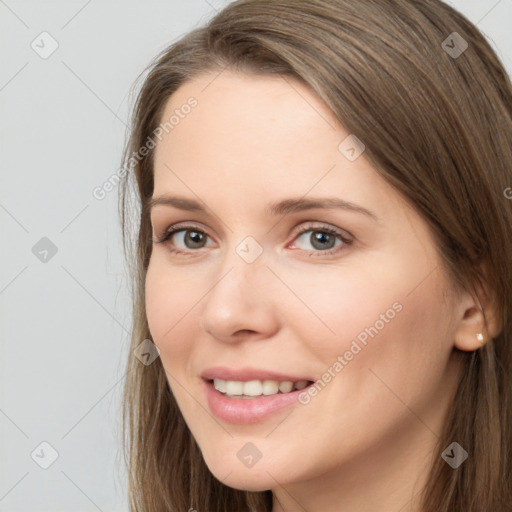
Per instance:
x=436, y=119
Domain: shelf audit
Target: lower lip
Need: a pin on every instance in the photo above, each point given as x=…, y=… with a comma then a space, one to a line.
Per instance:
x=250, y=410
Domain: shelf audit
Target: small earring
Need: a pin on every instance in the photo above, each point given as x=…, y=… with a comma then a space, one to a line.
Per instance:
x=480, y=338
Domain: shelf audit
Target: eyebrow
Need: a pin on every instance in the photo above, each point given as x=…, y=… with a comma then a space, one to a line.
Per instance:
x=282, y=207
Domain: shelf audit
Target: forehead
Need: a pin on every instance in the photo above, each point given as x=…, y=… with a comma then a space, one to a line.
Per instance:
x=237, y=110
x=250, y=133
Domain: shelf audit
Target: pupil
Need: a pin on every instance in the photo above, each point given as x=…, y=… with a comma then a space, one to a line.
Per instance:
x=194, y=237
x=321, y=236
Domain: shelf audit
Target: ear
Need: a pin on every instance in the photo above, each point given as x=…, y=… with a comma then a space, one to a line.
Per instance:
x=479, y=319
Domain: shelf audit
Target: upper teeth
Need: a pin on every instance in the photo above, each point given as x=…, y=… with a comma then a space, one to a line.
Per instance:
x=257, y=387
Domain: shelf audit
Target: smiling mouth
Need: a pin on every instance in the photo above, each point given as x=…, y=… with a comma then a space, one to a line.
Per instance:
x=257, y=388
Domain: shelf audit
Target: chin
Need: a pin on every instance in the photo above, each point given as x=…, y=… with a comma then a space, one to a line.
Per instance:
x=253, y=483
x=242, y=478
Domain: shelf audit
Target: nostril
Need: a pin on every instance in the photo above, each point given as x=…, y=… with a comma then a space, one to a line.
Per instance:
x=243, y=332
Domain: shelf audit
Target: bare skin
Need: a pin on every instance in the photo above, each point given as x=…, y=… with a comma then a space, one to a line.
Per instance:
x=365, y=441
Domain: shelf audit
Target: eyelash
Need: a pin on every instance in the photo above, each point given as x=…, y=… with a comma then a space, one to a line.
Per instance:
x=305, y=229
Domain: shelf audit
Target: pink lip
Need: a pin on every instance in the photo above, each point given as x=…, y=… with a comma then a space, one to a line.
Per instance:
x=252, y=410
x=247, y=374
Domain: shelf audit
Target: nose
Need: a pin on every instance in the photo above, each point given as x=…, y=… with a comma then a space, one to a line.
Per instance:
x=241, y=303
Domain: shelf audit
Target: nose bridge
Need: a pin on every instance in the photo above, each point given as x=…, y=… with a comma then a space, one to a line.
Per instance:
x=241, y=273
x=239, y=299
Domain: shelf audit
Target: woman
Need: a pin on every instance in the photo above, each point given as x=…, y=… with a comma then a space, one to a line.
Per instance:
x=323, y=262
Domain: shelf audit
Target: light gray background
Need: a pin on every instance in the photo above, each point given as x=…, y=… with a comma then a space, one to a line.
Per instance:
x=65, y=322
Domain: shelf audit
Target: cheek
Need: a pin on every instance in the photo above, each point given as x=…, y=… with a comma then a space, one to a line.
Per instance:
x=330, y=307
x=169, y=301
x=395, y=346
x=373, y=318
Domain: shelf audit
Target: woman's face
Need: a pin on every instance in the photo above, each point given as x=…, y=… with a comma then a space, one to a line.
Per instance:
x=273, y=283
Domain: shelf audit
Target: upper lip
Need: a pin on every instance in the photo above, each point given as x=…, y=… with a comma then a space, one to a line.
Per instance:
x=246, y=374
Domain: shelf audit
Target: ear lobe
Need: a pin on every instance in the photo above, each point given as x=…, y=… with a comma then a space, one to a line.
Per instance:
x=471, y=333
x=480, y=321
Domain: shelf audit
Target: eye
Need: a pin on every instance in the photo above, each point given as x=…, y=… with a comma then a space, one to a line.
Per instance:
x=190, y=237
x=325, y=240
